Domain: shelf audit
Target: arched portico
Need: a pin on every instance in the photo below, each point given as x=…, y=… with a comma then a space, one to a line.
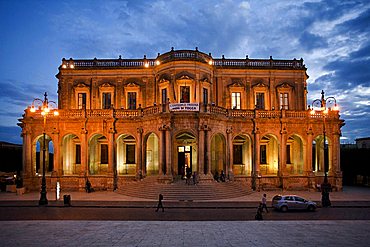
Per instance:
x=242, y=155
x=218, y=153
x=151, y=155
x=71, y=155
x=126, y=155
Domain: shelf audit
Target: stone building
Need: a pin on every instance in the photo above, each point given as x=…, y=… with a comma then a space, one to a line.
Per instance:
x=124, y=119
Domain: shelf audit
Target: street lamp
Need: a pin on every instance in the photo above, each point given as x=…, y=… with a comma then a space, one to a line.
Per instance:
x=44, y=106
x=324, y=105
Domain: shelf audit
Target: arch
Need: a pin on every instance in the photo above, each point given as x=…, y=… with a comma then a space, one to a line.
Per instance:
x=218, y=153
x=295, y=155
x=126, y=155
x=98, y=155
x=151, y=145
x=318, y=148
x=39, y=156
x=71, y=154
x=242, y=155
x=186, y=152
x=269, y=155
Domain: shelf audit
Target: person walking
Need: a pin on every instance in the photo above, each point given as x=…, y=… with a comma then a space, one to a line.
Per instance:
x=259, y=213
x=160, y=204
x=263, y=203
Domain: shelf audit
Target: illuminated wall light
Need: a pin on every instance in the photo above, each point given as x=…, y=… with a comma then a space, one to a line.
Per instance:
x=33, y=109
x=210, y=62
x=146, y=65
x=72, y=66
x=64, y=66
x=157, y=62
x=326, y=111
x=312, y=111
x=56, y=113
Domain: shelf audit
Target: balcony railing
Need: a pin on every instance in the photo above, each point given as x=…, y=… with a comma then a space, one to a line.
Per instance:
x=181, y=55
x=160, y=109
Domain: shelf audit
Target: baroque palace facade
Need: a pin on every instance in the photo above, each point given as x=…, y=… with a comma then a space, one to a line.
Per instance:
x=124, y=119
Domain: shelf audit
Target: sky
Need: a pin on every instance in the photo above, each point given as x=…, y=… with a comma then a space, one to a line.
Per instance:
x=331, y=36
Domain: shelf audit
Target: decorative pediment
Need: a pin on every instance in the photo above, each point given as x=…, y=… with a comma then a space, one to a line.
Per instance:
x=163, y=80
x=236, y=83
x=81, y=85
x=260, y=85
x=132, y=84
x=184, y=75
x=284, y=85
x=106, y=85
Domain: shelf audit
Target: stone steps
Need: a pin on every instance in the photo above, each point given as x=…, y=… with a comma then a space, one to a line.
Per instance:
x=149, y=188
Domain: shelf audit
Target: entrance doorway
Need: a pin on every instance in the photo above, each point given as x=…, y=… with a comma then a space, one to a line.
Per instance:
x=184, y=160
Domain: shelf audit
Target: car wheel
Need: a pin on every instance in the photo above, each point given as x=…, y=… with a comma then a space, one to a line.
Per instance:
x=284, y=208
x=311, y=208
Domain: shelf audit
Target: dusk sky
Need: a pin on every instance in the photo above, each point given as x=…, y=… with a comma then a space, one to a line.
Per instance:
x=331, y=36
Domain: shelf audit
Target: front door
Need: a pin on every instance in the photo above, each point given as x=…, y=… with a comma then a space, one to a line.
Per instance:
x=184, y=160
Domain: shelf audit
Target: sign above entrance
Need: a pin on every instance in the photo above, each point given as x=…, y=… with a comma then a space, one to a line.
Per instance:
x=184, y=107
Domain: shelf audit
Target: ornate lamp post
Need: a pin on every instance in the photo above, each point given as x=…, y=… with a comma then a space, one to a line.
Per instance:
x=45, y=107
x=324, y=105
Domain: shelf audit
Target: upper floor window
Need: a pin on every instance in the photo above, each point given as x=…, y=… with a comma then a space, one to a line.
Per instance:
x=131, y=100
x=260, y=100
x=235, y=100
x=284, y=101
x=205, y=96
x=185, y=94
x=107, y=100
x=82, y=101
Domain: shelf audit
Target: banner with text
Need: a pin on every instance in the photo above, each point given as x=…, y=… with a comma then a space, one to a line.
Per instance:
x=184, y=107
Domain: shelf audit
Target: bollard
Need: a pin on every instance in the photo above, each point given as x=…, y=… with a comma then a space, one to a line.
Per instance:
x=67, y=200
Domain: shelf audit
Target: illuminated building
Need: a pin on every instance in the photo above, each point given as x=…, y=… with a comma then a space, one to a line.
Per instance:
x=120, y=119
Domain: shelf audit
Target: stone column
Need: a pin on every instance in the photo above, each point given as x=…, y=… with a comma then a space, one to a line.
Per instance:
x=201, y=150
x=162, y=150
x=139, y=148
x=308, y=164
x=111, y=159
x=229, y=152
x=256, y=160
x=283, y=174
x=168, y=152
x=84, y=153
x=27, y=154
x=207, y=152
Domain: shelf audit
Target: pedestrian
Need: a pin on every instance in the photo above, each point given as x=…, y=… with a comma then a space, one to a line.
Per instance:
x=263, y=202
x=259, y=213
x=160, y=204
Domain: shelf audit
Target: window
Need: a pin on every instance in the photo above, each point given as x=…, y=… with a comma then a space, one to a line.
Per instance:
x=260, y=101
x=131, y=100
x=284, y=102
x=288, y=158
x=104, y=154
x=237, y=154
x=235, y=100
x=205, y=96
x=263, y=156
x=185, y=94
x=78, y=154
x=130, y=154
x=82, y=101
x=164, y=96
x=107, y=101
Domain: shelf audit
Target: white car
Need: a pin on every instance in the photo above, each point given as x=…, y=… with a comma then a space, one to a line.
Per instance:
x=292, y=202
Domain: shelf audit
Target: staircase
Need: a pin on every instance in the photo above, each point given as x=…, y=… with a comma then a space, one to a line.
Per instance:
x=149, y=188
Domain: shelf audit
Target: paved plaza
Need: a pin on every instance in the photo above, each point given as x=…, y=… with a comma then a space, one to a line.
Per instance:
x=171, y=233
x=184, y=233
